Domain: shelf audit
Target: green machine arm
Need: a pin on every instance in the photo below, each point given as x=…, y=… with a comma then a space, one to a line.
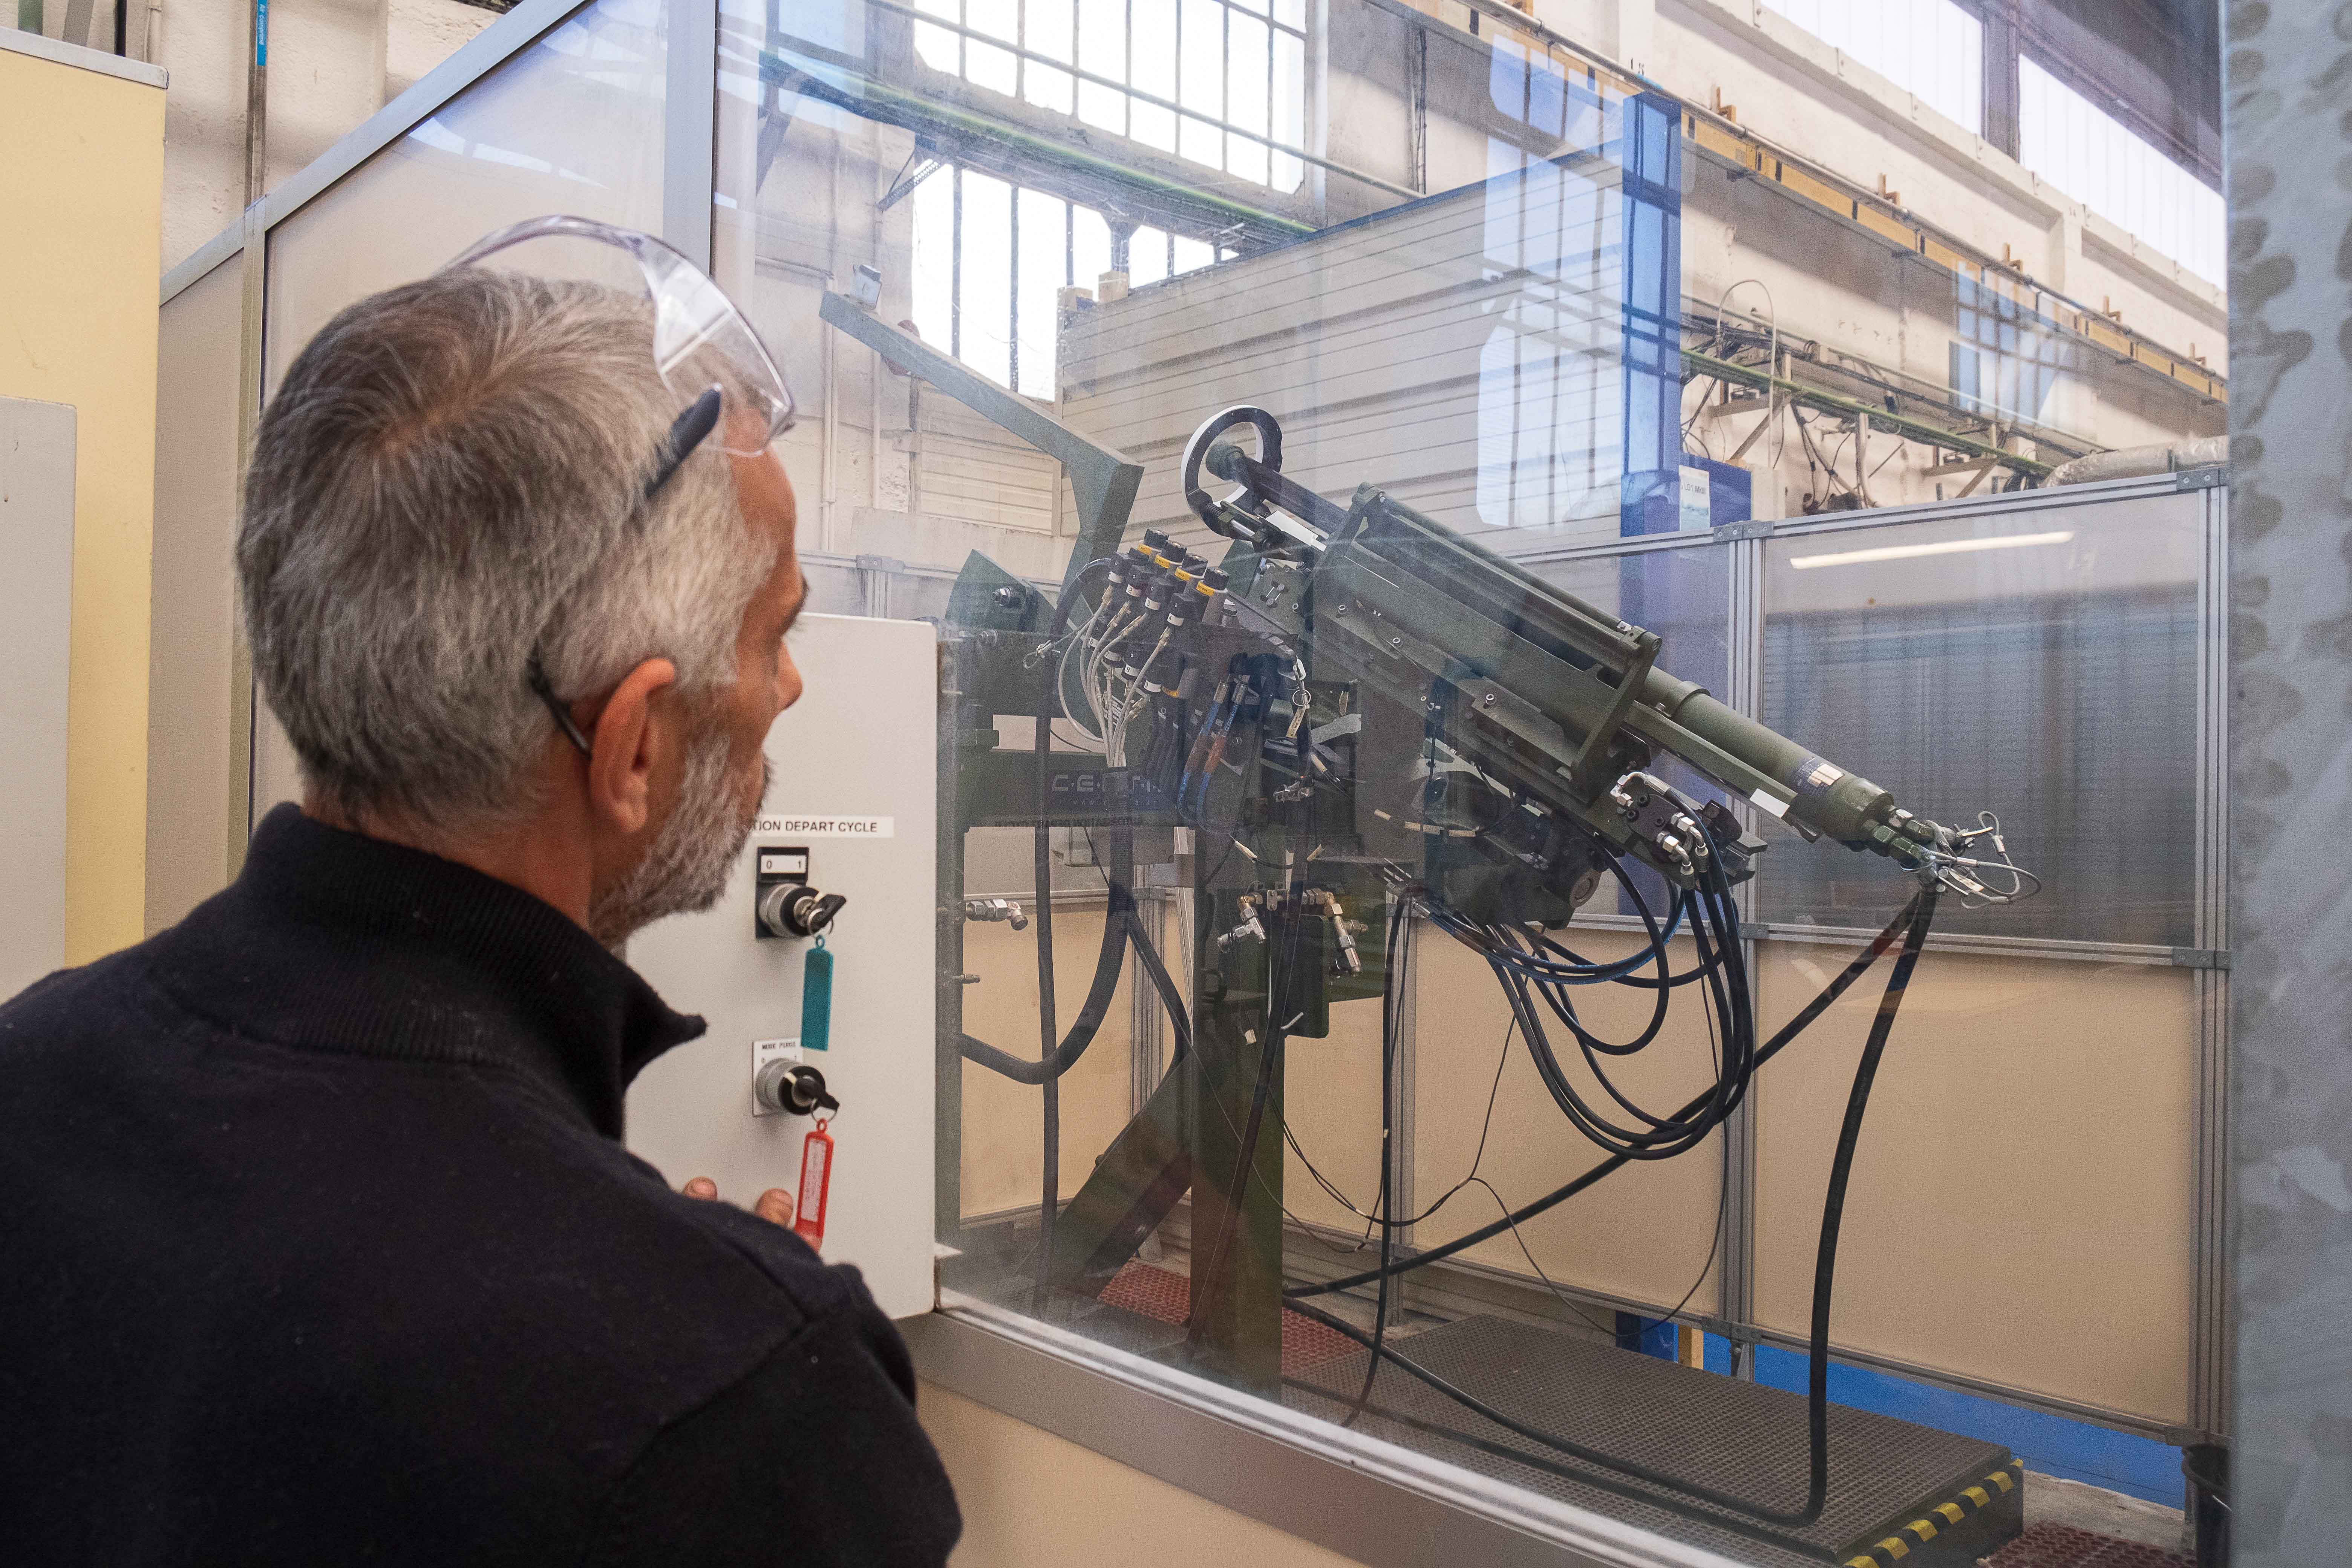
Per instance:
x=1563, y=702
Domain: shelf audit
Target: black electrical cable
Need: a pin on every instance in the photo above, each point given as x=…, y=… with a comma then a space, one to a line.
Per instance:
x=1580, y=1475
x=1916, y=917
x=1169, y=997
x=1120, y=926
x=1715, y=931
x=1837, y=987
x=1478, y=1157
x=1834, y=1207
x=1049, y=702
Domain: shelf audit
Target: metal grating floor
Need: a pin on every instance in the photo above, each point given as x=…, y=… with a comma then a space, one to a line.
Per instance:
x=2064, y=1546
x=1165, y=1297
x=1735, y=1438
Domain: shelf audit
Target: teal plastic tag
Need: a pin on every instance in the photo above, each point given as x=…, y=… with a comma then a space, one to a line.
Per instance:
x=816, y=999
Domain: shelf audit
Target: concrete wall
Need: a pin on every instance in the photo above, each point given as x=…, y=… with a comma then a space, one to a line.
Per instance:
x=86, y=160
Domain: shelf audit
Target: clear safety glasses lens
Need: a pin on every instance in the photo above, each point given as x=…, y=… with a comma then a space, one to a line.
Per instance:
x=700, y=338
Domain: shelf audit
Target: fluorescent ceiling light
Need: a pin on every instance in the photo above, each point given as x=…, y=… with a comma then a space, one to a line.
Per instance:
x=1947, y=547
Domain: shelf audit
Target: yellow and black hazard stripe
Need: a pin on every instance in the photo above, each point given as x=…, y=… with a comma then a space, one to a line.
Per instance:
x=1940, y=1518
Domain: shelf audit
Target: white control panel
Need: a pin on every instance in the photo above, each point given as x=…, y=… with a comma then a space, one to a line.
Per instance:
x=851, y=813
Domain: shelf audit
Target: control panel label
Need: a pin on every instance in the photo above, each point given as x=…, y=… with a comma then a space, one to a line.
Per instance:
x=828, y=827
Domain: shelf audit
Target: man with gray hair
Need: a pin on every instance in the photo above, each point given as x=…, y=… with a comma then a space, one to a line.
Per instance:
x=320, y=1244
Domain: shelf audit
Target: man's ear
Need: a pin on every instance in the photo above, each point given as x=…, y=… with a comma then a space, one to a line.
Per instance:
x=629, y=735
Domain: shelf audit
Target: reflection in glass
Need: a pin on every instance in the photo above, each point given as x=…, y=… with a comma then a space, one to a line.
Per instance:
x=1491, y=290
x=572, y=125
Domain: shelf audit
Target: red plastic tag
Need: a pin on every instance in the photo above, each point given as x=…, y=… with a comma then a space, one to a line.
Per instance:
x=816, y=1181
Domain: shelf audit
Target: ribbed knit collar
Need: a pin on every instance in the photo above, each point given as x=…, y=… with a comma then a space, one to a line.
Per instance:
x=388, y=951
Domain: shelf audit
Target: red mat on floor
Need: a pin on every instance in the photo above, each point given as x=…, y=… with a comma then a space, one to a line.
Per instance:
x=1167, y=1297
x=2064, y=1546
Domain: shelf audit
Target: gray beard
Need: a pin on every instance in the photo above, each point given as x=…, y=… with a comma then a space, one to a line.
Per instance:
x=686, y=868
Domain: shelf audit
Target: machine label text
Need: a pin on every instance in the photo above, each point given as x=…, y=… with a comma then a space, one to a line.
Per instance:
x=828, y=827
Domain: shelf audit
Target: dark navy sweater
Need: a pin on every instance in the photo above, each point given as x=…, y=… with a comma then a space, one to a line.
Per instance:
x=317, y=1244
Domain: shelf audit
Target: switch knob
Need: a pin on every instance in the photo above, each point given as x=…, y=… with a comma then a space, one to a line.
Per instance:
x=791, y=1088
x=796, y=909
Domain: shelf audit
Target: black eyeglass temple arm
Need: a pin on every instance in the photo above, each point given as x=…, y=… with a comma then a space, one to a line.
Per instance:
x=688, y=431
x=537, y=675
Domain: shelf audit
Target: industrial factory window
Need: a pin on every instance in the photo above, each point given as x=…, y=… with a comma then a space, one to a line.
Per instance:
x=2005, y=362
x=2087, y=152
x=990, y=258
x=1930, y=47
x=1217, y=82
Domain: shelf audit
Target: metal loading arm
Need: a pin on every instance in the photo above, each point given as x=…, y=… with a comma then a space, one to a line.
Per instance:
x=1561, y=696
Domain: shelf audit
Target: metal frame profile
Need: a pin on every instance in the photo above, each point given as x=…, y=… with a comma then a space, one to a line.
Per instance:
x=41, y=47
x=1373, y=1502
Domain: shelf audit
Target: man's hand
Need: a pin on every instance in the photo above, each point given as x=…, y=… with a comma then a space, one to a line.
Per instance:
x=775, y=1205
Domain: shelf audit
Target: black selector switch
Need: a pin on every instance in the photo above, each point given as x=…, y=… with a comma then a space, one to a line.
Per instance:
x=792, y=1090
x=797, y=911
x=783, y=904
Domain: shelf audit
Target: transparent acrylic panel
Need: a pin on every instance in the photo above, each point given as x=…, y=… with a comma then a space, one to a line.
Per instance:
x=1162, y=242
x=1367, y=871
x=2042, y=664
x=572, y=125
x=1647, y=1235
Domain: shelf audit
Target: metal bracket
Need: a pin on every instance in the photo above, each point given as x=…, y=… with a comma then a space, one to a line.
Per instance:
x=1756, y=528
x=2201, y=958
x=2212, y=475
x=1753, y=930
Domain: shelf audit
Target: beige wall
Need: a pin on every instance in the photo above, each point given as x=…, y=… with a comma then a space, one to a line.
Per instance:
x=1031, y=1500
x=82, y=191
x=2023, y=1199
x=1002, y=1163
x=1644, y=1232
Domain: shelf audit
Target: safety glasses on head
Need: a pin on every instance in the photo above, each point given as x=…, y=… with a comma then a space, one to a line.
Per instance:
x=703, y=344
x=733, y=398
